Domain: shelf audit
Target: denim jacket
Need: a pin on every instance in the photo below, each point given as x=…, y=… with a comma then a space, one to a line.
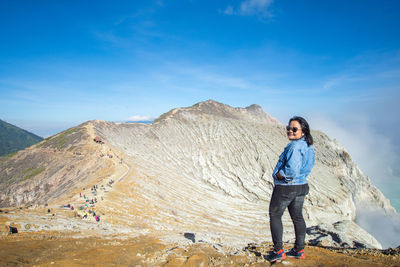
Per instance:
x=295, y=163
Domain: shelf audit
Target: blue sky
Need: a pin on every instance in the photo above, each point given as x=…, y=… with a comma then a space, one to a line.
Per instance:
x=337, y=63
x=65, y=62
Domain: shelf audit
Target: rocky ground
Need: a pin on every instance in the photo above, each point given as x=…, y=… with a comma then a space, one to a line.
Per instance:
x=53, y=248
x=60, y=238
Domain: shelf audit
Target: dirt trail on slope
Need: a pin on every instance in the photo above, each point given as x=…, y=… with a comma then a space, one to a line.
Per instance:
x=94, y=194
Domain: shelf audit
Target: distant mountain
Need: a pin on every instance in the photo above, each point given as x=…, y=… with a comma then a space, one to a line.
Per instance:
x=13, y=138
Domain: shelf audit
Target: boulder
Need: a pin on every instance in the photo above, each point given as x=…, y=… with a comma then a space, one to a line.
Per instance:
x=341, y=234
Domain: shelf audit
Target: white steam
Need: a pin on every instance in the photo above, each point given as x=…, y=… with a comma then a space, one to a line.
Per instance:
x=384, y=228
x=374, y=153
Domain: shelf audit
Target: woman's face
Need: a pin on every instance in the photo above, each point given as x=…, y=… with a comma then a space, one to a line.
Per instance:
x=291, y=131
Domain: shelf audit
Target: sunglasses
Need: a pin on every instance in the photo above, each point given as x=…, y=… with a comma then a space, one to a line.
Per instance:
x=294, y=129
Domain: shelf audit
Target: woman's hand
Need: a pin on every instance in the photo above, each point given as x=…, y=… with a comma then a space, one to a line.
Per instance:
x=279, y=176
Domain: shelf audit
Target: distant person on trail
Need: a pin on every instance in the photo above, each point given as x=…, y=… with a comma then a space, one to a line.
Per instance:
x=290, y=188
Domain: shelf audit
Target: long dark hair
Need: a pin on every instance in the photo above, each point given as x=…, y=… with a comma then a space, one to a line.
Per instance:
x=305, y=128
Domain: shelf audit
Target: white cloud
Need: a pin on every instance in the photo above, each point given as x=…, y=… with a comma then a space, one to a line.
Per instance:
x=251, y=7
x=202, y=76
x=212, y=78
x=229, y=10
x=113, y=39
x=140, y=118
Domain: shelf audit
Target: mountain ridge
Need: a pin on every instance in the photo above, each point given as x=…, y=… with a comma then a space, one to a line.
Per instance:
x=204, y=169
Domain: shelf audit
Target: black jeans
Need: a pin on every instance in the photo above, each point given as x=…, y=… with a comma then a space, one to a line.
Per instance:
x=292, y=197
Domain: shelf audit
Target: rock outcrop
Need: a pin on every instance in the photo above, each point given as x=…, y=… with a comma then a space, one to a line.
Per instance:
x=204, y=169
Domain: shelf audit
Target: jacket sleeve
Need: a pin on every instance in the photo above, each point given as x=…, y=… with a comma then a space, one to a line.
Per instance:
x=293, y=164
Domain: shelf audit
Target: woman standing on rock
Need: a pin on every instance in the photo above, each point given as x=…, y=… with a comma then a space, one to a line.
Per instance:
x=290, y=188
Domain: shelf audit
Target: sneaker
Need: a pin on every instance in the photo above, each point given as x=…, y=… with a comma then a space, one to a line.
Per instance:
x=276, y=256
x=296, y=254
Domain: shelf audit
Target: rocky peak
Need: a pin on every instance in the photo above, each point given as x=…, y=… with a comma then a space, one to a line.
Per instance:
x=257, y=112
x=216, y=109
